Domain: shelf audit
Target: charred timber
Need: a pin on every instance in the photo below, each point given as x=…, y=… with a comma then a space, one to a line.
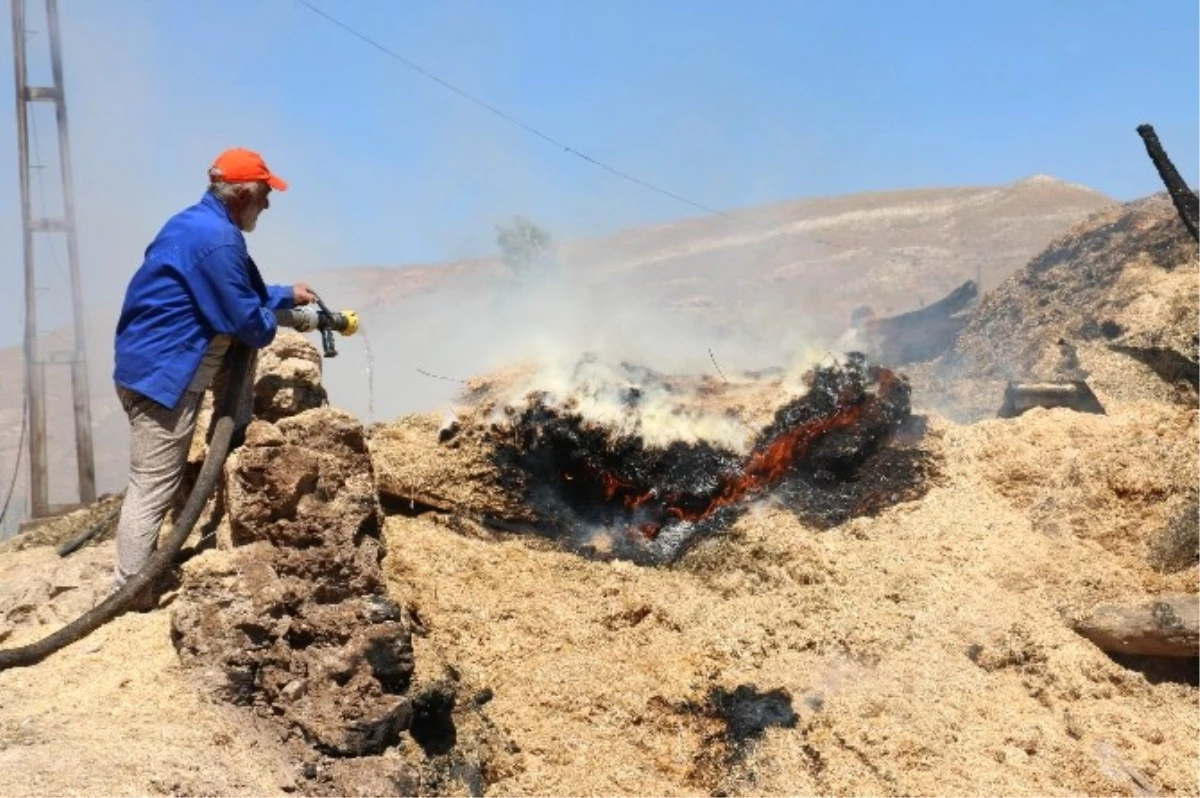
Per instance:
x=1186, y=202
x=923, y=334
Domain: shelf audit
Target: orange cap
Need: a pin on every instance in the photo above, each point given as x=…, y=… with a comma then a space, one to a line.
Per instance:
x=244, y=166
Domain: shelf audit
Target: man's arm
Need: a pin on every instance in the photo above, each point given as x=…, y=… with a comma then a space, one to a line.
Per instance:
x=286, y=297
x=220, y=286
x=281, y=297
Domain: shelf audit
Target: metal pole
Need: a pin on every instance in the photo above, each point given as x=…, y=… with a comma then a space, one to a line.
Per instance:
x=34, y=384
x=79, y=374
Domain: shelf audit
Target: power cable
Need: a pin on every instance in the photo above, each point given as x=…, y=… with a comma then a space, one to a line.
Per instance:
x=517, y=122
x=12, y=482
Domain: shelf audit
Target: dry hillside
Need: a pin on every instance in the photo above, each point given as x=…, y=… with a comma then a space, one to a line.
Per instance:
x=892, y=249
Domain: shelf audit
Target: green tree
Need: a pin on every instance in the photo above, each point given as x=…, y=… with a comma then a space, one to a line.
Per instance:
x=524, y=245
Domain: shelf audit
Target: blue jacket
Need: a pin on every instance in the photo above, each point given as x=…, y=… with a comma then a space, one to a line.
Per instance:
x=196, y=282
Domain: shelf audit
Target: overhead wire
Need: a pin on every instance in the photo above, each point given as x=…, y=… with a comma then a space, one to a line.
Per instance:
x=518, y=123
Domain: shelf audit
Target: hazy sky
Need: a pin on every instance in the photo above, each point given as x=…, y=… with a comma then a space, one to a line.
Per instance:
x=728, y=103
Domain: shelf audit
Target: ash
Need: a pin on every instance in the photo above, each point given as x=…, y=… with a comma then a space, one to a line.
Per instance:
x=748, y=712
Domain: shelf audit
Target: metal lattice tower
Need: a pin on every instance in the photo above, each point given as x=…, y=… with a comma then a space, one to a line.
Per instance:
x=41, y=353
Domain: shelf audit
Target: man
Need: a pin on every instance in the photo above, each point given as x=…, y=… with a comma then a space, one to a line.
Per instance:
x=196, y=290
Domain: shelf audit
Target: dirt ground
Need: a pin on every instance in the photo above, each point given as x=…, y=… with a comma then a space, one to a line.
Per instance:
x=114, y=714
x=926, y=651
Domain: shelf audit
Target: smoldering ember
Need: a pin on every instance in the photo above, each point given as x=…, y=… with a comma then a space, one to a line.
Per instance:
x=956, y=554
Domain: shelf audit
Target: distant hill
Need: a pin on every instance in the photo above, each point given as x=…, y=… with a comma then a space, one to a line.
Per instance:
x=892, y=249
x=784, y=280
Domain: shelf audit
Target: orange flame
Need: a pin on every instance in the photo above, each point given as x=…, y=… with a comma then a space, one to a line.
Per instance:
x=764, y=469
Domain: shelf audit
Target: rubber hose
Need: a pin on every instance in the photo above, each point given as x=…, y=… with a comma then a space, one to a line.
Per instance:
x=83, y=537
x=112, y=606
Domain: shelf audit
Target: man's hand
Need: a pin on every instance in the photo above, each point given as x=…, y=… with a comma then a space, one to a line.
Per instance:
x=302, y=294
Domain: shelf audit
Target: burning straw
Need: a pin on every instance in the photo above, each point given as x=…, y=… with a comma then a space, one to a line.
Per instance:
x=606, y=492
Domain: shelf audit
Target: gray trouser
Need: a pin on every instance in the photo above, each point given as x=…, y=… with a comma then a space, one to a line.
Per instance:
x=158, y=449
